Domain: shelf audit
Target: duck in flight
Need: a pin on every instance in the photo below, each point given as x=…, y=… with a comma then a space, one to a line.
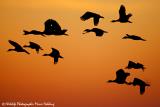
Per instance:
x=133, y=37
x=97, y=31
x=96, y=17
x=134, y=65
x=51, y=27
x=18, y=48
x=35, y=46
x=138, y=82
x=121, y=77
x=55, y=54
x=123, y=17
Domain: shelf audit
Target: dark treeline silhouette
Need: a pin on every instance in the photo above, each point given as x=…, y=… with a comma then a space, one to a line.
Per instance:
x=55, y=54
x=133, y=37
x=96, y=17
x=97, y=31
x=123, y=17
x=51, y=27
x=134, y=65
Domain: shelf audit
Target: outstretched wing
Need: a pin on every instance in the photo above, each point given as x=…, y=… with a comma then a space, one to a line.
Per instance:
x=142, y=89
x=131, y=64
x=99, y=32
x=120, y=74
x=52, y=25
x=55, y=60
x=16, y=45
x=96, y=21
x=122, y=11
x=55, y=52
x=87, y=16
x=34, y=44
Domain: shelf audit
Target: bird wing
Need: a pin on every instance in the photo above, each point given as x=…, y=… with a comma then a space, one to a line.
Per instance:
x=55, y=60
x=131, y=64
x=52, y=24
x=120, y=74
x=87, y=16
x=16, y=45
x=99, y=33
x=55, y=52
x=142, y=89
x=122, y=11
x=34, y=44
x=96, y=21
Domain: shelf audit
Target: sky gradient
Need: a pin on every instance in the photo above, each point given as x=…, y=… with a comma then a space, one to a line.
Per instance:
x=79, y=80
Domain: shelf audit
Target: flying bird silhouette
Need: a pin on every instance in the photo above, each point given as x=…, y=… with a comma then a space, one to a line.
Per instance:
x=134, y=65
x=133, y=37
x=51, y=27
x=123, y=17
x=97, y=31
x=35, y=46
x=96, y=17
x=121, y=77
x=18, y=48
x=55, y=54
x=140, y=83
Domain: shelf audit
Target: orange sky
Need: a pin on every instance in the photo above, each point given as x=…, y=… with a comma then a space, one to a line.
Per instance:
x=79, y=80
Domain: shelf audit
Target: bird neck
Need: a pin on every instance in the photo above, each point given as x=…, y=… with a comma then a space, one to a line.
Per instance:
x=115, y=20
x=111, y=81
x=26, y=46
x=46, y=55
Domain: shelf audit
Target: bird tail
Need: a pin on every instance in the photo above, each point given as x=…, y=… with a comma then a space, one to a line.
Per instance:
x=143, y=40
x=26, y=52
x=41, y=48
x=105, y=32
x=110, y=81
x=143, y=68
x=26, y=32
x=129, y=15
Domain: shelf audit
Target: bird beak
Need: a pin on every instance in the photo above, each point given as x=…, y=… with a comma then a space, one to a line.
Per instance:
x=102, y=17
x=61, y=57
x=66, y=34
x=124, y=37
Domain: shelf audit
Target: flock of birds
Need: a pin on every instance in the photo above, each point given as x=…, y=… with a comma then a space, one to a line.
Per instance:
x=121, y=76
x=52, y=27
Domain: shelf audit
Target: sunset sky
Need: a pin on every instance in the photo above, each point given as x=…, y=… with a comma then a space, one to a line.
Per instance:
x=79, y=80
